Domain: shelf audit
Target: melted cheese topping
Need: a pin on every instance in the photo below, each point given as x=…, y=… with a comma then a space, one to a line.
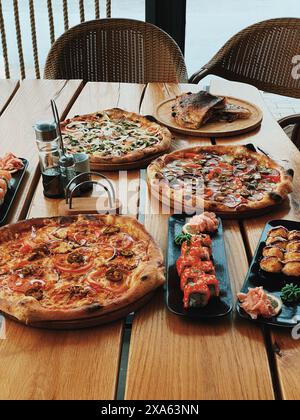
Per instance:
x=109, y=137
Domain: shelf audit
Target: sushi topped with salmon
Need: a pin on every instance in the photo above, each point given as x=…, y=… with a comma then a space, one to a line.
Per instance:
x=5, y=179
x=195, y=266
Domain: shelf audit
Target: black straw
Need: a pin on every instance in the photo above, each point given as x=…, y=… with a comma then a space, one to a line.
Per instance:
x=56, y=119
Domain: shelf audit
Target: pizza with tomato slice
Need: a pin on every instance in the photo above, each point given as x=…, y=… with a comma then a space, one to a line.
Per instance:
x=223, y=179
x=75, y=267
x=115, y=136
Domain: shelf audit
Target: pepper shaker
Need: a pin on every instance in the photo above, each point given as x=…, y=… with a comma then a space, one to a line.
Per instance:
x=67, y=169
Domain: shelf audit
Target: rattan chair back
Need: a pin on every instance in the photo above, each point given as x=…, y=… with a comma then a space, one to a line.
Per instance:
x=116, y=50
x=264, y=55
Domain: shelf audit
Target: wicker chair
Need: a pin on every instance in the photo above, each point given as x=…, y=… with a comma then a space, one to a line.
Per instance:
x=262, y=55
x=116, y=50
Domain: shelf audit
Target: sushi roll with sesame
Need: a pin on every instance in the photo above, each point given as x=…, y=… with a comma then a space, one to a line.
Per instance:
x=271, y=265
x=5, y=178
x=294, y=236
x=277, y=241
x=270, y=251
x=279, y=231
x=196, y=295
x=293, y=246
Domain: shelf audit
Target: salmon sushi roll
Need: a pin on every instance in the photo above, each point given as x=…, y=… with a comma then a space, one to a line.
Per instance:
x=5, y=175
x=196, y=295
x=2, y=196
x=212, y=283
x=3, y=185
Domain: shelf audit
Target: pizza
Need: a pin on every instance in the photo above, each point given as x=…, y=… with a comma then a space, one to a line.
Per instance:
x=115, y=136
x=193, y=110
x=77, y=267
x=223, y=179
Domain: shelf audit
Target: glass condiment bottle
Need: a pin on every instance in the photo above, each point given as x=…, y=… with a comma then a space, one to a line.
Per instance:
x=67, y=170
x=48, y=143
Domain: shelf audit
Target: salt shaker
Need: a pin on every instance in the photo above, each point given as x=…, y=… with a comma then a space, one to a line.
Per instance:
x=67, y=169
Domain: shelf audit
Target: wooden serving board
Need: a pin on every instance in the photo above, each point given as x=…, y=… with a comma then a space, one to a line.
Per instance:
x=89, y=205
x=163, y=115
x=83, y=323
x=139, y=164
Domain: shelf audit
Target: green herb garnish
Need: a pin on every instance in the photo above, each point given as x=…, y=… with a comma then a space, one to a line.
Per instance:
x=290, y=293
x=180, y=239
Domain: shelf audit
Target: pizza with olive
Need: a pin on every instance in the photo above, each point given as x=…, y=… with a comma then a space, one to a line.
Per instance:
x=224, y=179
x=77, y=267
x=115, y=136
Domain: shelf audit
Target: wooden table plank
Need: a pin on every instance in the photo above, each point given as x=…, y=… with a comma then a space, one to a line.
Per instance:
x=272, y=139
x=188, y=360
x=31, y=104
x=76, y=364
x=7, y=90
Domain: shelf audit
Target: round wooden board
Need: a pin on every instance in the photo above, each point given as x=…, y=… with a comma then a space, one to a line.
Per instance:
x=140, y=164
x=223, y=215
x=83, y=323
x=214, y=129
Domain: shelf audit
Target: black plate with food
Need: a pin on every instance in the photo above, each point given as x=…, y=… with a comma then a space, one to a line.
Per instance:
x=216, y=306
x=13, y=186
x=276, y=268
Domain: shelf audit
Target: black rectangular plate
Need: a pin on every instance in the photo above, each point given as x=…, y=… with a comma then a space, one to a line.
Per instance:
x=289, y=317
x=217, y=307
x=11, y=193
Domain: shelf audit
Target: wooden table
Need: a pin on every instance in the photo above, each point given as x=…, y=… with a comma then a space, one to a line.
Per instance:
x=168, y=357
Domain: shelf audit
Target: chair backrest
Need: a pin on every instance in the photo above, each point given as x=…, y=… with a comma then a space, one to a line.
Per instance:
x=116, y=50
x=265, y=55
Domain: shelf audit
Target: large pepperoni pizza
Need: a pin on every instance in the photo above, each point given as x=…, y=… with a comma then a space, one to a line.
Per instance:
x=225, y=179
x=77, y=267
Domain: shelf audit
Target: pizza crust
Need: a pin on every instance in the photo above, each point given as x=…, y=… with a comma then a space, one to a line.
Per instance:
x=174, y=199
x=148, y=276
x=135, y=155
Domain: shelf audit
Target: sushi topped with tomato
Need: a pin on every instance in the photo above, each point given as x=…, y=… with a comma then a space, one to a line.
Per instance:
x=196, y=268
x=5, y=178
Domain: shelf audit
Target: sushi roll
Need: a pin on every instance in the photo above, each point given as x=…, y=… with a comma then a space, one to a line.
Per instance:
x=270, y=251
x=196, y=250
x=271, y=265
x=279, y=231
x=184, y=262
x=212, y=284
x=2, y=196
x=294, y=235
x=292, y=268
x=293, y=246
x=5, y=175
x=196, y=295
x=291, y=256
x=277, y=241
x=5, y=178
